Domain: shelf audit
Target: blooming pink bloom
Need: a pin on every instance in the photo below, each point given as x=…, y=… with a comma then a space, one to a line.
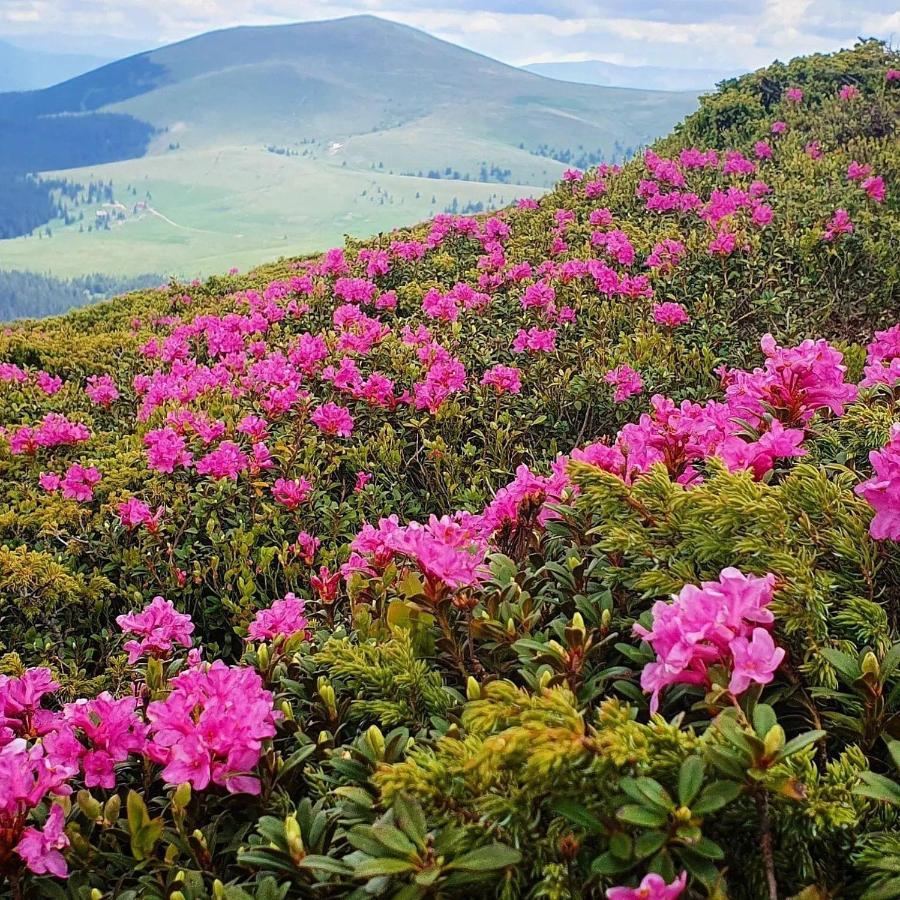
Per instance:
x=535, y=340
x=708, y=626
x=883, y=359
x=49, y=384
x=848, y=92
x=134, y=513
x=102, y=390
x=838, y=224
x=882, y=491
x=291, y=492
x=779, y=127
x=892, y=75
x=40, y=849
x=306, y=546
x=284, y=618
x=762, y=150
x=111, y=730
x=503, y=379
x=723, y=244
x=78, y=483
x=754, y=660
x=166, y=450
x=626, y=380
x=333, y=419
x=160, y=626
x=813, y=150
x=858, y=171
x=226, y=461
x=670, y=314
x=211, y=727
x=326, y=584
x=49, y=481
x=794, y=94
x=652, y=887
x=874, y=187
x=362, y=479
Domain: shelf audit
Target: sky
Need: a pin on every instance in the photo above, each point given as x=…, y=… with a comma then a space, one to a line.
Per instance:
x=719, y=34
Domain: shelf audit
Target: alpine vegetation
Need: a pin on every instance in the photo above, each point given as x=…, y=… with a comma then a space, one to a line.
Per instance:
x=550, y=553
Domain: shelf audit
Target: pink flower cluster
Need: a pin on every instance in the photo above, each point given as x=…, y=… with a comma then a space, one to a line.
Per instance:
x=882, y=491
x=77, y=484
x=211, y=727
x=503, y=379
x=333, y=419
x=284, y=618
x=883, y=359
x=721, y=623
x=652, y=887
x=54, y=430
x=102, y=390
x=160, y=627
x=626, y=381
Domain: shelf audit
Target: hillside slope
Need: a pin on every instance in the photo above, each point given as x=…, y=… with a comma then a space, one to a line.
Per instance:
x=473, y=700
x=249, y=141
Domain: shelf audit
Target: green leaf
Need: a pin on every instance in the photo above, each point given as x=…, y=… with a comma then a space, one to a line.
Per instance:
x=798, y=743
x=764, y=718
x=410, y=819
x=386, y=865
x=324, y=864
x=690, y=778
x=715, y=796
x=578, y=815
x=877, y=787
x=846, y=666
x=641, y=815
x=489, y=857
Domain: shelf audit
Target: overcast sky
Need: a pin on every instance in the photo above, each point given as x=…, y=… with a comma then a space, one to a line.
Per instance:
x=725, y=34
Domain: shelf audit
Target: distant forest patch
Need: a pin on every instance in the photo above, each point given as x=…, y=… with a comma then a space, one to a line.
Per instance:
x=33, y=295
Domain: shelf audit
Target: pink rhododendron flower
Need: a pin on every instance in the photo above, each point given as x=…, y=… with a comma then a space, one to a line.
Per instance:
x=626, y=380
x=883, y=359
x=848, y=92
x=49, y=384
x=874, y=187
x=102, y=390
x=535, y=340
x=211, y=727
x=160, y=627
x=226, y=461
x=503, y=379
x=755, y=659
x=858, y=171
x=134, y=513
x=779, y=127
x=652, y=887
x=794, y=94
x=723, y=244
x=882, y=491
x=325, y=584
x=714, y=624
x=670, y=314
x=49, y=481
x=362, y=479
x=111, y=730
x=291, y=492
x=284, y=618
x=333, y=419
x=837, y=225
x=79, y=482
x=40, y=849
x=306, y=546
x=166, y=450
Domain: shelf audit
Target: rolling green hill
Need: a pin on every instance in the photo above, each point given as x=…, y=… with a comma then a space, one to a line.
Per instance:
x=244, y=142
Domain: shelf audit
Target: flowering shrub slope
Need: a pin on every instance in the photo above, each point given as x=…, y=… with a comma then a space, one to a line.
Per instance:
x=554, y=553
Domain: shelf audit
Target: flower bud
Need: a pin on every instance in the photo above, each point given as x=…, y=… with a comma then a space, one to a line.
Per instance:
x=605, y=618
x=111, y=808
x=218, y=890
x=544, y=680
x=96, y=894
x=376, y=741
x=774, y=740
x=89, y=805
x=199, y=838
x=182, y=795
x=294, y=838
x=262, y=654
x=473, y=689
x=287, y=710
x=578, y=622
x=870, y=664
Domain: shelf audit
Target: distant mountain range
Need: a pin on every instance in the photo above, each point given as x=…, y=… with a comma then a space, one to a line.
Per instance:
x=661, y=78
x=223, y=147
x=25, y=69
